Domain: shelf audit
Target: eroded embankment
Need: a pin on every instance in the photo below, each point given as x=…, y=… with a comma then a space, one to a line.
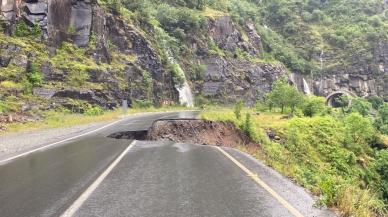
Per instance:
x=190, y=131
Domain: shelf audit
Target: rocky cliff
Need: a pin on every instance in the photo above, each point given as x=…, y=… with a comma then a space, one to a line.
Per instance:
x=77, y=53
x=113, y=59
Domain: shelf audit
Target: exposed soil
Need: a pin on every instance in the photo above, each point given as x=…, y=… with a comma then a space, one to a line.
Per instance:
x=191, y=131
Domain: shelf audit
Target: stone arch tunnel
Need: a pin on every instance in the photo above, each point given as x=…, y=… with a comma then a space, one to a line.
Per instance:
x=330, y=98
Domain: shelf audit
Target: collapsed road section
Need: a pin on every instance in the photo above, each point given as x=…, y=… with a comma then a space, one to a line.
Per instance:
x=193, y=131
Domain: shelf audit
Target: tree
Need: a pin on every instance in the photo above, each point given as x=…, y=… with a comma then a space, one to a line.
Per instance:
x=359, y=133
x=361, y=106
x=376, y=102
x=381, y=165
x=313, y=105
x=341, y=102
x=382, y=119
x=284, y=95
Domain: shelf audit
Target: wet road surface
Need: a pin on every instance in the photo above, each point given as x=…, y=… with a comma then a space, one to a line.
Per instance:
x=46, y=182
x=177, y=180
x=152, y=179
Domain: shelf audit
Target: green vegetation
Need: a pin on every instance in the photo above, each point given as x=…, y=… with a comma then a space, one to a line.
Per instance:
x=237, y=109
x=330, y=151
x=293, y=32
x=284, y=95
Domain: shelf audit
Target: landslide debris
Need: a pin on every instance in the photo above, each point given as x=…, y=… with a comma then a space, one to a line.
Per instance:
x=191, y=131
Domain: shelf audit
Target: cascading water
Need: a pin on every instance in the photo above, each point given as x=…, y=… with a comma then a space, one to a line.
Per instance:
x=321, y=59
x=185, y=95
x=321, y=56
x=306, y=87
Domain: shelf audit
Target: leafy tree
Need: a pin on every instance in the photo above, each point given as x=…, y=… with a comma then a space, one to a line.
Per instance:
x=342, y=102
x=361, y=106
x=359, y=133
x=382, y=119
x=313, y=105
x=376, y=102
x=284, y=95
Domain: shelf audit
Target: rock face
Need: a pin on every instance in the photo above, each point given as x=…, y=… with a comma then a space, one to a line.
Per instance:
x=69, y=20
x=228, y=37
x=138, y=66
x=361, y=80
x=232, y=80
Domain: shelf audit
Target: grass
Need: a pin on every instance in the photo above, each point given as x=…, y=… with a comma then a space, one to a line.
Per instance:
x=61, y=120
x=212, y=14
x=313, y=153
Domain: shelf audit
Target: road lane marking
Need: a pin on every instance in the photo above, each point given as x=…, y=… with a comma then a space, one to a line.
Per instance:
x=59, y=142
x=90, y=132
x=85, y=195
x=264, y=185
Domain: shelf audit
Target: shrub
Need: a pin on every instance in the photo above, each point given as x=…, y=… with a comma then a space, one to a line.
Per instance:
x=178, y=76
x=247, y=127
x=94, y=111
x=21, y=29
x=260, y=106
x=114, y=5
x=381, y=165
x=3, y=107
x=376, y=101
x=359, y=133
x=34, y=75
x=238, y=108
x=137, y=103
x=318, y=16
x=382, y=119
x=376, y=21
x=361, y=106
x=313, y=105
x=354, y=201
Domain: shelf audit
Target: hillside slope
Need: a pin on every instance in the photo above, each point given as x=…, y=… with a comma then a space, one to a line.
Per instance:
x=63, y=54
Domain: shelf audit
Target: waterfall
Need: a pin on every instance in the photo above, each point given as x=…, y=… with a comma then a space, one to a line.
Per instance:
x=321, y=59
x=306, y=87
x=185, y=95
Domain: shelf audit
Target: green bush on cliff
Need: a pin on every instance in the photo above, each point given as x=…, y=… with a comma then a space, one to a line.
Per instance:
x=34, y=76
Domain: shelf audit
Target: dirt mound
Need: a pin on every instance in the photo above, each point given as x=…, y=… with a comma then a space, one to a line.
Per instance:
x=198, y=132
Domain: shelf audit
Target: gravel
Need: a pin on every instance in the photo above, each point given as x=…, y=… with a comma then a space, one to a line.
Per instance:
x=15, y=143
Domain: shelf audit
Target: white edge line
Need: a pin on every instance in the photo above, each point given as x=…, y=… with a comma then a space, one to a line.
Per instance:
x=56, y=143
x=74, y=137
x=264, y=185
x=85, y=195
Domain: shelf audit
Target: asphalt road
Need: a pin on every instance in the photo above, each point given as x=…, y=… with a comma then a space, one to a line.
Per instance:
x=94, y=175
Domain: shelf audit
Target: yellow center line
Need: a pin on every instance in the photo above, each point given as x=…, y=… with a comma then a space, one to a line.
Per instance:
x=255, y=178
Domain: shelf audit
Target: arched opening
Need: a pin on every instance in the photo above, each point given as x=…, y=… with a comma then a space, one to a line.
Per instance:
x=337, y=99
